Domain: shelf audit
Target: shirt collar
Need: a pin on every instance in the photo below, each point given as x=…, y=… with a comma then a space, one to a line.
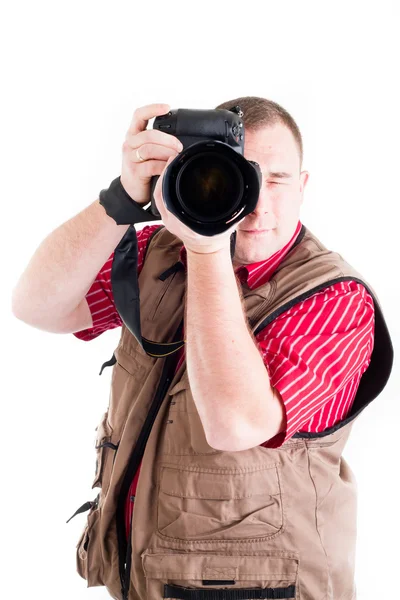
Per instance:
x=258, y=273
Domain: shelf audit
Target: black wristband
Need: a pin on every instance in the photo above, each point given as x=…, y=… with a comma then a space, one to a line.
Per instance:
x=119, y=205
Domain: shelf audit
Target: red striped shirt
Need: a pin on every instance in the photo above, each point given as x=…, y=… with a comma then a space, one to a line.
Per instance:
x=315, y=352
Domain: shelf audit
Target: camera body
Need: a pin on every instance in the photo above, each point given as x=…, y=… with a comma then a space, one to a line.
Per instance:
x=210, y=185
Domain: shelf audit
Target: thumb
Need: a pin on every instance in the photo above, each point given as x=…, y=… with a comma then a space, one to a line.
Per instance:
x=162, y=174
x=158, y=188
x=171, y=158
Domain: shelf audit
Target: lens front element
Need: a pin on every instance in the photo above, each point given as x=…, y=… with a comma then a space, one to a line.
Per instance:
x=209, y=187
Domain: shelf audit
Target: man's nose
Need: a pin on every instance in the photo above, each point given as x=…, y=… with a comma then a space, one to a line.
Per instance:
x=263, y=205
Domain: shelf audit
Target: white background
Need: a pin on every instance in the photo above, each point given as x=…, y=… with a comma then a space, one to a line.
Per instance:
x=73, y=74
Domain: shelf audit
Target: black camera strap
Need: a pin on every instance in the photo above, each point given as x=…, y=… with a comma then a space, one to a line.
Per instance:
x=124, y=278
x=126, y=293
x=119, y=205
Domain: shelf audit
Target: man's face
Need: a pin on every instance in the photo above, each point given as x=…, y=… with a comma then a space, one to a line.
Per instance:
x=278, y=207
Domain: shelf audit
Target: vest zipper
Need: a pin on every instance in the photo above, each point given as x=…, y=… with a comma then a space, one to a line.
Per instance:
x=124, y=548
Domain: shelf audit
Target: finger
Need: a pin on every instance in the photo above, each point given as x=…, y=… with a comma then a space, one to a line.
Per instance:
x=153, y=136
x=143, y=114
x=160, y=201
x=153, y=152
x=149, y=168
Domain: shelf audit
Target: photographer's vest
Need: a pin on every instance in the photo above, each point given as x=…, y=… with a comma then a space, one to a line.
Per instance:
x=210, y=524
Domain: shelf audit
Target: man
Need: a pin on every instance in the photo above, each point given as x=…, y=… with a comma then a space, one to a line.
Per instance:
x=240, y=435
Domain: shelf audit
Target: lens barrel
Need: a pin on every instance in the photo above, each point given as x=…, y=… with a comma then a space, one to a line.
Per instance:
x=209, y=186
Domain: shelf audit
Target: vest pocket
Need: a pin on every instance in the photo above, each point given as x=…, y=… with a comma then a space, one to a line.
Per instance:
x=103, y=437
x=271, y=574
x=160, y=290
x=219, y=504
x=89, y=562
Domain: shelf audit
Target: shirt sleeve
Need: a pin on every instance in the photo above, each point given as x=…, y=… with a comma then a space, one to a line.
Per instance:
x=100, y=296
x=315, y=349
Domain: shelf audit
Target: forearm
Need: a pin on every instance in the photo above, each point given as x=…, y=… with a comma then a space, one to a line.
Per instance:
x=65, y=265
x=228, y=378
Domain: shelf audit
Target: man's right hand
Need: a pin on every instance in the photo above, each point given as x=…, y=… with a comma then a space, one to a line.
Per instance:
x=154, y=146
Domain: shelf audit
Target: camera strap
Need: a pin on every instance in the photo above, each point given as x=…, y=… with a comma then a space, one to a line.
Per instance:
x=119, y=205
x=124, y=279
x=126, y=293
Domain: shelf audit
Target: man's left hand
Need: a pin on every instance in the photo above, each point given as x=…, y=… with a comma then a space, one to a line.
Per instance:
x=200, y=244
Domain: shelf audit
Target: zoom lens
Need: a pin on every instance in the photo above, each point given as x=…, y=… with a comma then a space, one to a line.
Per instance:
x=209, y=187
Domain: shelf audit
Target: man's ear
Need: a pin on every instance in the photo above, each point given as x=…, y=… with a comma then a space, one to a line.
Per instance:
x=304, y=175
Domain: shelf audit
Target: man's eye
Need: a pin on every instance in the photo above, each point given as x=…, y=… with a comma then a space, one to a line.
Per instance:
x=275, y=182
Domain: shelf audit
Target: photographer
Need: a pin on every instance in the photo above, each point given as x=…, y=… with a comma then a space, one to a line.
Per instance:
x=238, y=435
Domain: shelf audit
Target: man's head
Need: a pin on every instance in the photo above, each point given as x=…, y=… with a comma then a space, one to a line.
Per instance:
x=273, y=140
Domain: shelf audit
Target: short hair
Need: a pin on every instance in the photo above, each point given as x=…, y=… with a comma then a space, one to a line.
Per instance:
x=260, y=112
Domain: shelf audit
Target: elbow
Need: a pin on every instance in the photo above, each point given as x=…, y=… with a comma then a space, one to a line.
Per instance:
x=19, y=307
x=14, y=306
x=232, y=441
x=232, y=445
x=17, y=313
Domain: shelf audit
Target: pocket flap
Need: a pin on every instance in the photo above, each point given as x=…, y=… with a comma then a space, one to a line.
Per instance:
x=133, y=363
x=273, y=564
x=103, y=431
x=183, y=384
x=219, y=485
x=103, y=435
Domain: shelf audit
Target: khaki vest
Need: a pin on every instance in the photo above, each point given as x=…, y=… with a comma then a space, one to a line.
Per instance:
x=210, y=524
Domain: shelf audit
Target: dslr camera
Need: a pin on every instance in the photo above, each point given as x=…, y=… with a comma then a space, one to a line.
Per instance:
x=209, y=186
